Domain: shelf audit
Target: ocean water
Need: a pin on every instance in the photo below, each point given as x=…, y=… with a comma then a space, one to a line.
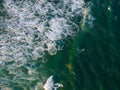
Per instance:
x=59, y=45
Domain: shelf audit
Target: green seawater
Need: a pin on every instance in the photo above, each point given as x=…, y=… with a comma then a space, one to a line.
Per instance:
x=89, y=60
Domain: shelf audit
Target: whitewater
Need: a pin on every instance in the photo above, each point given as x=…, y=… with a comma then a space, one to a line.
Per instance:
x=32, y=30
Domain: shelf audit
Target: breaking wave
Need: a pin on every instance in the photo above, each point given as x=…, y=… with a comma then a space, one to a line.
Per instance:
x=33, y=29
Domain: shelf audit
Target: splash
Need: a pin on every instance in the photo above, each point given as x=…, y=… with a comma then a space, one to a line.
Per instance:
x=50, y=85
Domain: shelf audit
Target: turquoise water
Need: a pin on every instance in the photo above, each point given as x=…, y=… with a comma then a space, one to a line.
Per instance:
x=74, y=41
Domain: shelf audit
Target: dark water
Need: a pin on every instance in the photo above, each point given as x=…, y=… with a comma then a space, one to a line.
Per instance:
x=89, y=60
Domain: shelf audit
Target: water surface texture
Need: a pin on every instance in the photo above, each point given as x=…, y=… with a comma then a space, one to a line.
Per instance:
x=59, y=45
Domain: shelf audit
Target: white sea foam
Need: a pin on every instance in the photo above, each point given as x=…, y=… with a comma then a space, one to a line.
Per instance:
x=50, y=85
x=32, y=28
